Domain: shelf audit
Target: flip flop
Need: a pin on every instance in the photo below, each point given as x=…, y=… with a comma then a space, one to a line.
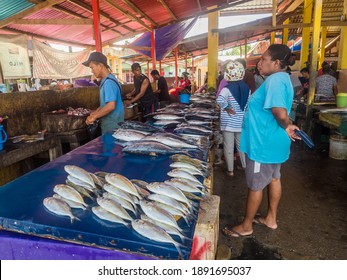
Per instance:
x=260, y=223
x=233, y=233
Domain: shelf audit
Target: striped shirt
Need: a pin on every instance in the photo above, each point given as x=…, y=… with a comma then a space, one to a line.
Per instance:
x=228, y=122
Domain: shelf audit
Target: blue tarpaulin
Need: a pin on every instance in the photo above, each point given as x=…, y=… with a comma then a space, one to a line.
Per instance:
x=166, y=38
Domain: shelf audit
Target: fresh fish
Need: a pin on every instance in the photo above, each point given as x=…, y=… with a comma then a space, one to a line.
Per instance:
x=151, y=148
x=168, y=201
x=80, y=183
x=141, y=191
x=170, y=141
x=185, y=165
x=80, y=174
x=83, y=191
x=128, y=135
x=173, y=211
x=140, y=183
x=158, y=214
x=69, y=193
x=101, y=174
x=120, y=193
x=71, y=203
x=169, y=229
x=184, y=158
x=122, y=183
x=192, y=130
x=108, y=216
x=59, y=207
x=154, y=232
x=124, y=203
x=164, y=189
x=166, y=122
x=183, y=186
x=167, y=117
x=179, y=173
x=113, y=207
x=99, y=182
x=137, y=125
x=197, y=122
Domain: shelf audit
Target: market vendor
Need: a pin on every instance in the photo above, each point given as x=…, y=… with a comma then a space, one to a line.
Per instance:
x=162, y=92
x=142, y=92
x=111, y=110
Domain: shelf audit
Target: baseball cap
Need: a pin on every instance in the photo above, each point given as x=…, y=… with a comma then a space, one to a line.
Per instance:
x=97, y=57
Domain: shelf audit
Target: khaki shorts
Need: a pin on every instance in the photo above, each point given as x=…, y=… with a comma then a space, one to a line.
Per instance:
x=259, y=175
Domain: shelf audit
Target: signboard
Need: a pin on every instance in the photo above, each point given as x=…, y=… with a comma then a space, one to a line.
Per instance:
x=14, y=58
x=49, y=63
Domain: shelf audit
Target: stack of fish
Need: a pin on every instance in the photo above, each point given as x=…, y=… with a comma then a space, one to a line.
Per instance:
x=141, y=138
x=151, y=209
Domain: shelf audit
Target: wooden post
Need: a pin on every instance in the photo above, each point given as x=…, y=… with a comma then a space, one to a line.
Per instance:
x=274, y=21
x=148, y=72
x=245, y=48
x=285, y=33
x=176, y=66
x=160, y=70
x=342, y=62
x=317, y=17
x=212, y=49
x=97, y=28
x=186, y=63
x=153, y=53
x=308, y=4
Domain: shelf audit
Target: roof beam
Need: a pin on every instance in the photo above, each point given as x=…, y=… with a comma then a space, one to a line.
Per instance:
x=128, y=14
x=199, y=5
x=28, y=12
x=137, y=10
x=89, y=9
x=168, y=9
x=70, y=21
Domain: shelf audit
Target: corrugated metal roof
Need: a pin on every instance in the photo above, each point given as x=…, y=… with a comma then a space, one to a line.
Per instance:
x=12, y=7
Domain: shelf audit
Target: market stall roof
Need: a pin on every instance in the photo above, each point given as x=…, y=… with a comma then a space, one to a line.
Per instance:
x=70, y=22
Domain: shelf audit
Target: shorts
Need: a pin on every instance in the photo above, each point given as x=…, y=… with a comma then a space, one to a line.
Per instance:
x=259, y=175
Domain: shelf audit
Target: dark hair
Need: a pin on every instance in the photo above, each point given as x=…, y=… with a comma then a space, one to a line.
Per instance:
x=135, y=66
x=155, y=72
x=280, y=52
x=324, y=63
x=326, y=69
x=242, y=61
x=305, y=69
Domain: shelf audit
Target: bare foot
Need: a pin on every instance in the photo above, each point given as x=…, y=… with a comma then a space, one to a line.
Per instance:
x=265, y=222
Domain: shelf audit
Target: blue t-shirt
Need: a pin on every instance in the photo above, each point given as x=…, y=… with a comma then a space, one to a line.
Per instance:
x=262, y=138
x=110, y=91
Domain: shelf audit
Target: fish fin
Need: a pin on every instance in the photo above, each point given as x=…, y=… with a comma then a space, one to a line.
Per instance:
x=74, y=218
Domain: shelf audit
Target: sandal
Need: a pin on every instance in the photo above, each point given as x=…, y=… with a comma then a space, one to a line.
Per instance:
x=229, y=173
x=233, y=233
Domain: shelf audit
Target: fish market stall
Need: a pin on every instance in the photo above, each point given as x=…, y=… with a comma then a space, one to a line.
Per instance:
x=154, y=180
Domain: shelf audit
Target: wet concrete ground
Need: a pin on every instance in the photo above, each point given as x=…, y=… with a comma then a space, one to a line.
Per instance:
x=312, y=215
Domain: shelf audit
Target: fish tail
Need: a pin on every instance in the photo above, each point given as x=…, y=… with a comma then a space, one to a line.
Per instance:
x=73, y=219
x=177, y=245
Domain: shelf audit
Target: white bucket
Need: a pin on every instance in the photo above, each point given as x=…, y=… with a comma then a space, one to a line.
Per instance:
x=338, y=147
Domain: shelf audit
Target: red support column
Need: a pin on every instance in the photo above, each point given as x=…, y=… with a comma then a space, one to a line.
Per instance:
x=160, y=70
x=148, y=72
x=176, y=66
x=153, y=53
x=97, y=27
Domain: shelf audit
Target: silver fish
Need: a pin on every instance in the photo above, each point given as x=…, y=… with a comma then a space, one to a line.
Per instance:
x=139, y=126
x=108, y=216
x=183, y=185
x=165, y=122
x=187, y=167
x=120, y=193
x=158, y=214
x=184, y=158
x=69, y=193
x=80, y=174
x=124, y=203
x=97, y=180
x=80, y=183
x=71, y=203
x=59, y=207
x=113, y=207
x=128, y=135
x=170, y=141
x=169, y=229
x=154, y=232
x=122, y=183
x=164, y=189
x=167, y=117
x=173, y=211
x=151, y=148
x=179, y=173
x=168, y=201
x=83, y=191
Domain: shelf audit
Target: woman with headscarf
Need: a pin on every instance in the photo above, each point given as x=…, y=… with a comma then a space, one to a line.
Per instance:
x=233, y=100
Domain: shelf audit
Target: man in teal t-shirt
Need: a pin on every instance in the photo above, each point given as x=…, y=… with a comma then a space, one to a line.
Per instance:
x=111, y=110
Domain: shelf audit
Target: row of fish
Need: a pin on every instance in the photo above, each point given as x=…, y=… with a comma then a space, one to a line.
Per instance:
x=150, y=209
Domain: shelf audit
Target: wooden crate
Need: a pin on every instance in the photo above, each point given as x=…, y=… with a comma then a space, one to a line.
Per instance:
x=206, y=234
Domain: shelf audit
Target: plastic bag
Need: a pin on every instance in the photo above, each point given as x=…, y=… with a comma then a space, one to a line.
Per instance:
x=94, y=129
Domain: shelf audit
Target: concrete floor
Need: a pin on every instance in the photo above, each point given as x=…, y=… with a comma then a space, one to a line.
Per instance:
x=312, y=215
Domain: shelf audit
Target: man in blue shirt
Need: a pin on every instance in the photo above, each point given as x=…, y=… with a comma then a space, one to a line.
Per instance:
x=111, y=110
